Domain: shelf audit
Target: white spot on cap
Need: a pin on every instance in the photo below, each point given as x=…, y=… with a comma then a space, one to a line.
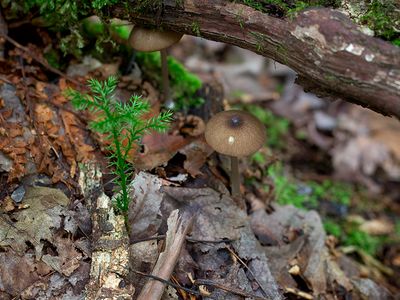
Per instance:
x=231, y=140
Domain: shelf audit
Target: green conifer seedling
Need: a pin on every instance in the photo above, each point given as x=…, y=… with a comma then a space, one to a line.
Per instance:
x=123, y=125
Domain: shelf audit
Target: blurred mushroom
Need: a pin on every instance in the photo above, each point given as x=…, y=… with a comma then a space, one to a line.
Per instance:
x=149, y=40
x=235, y=133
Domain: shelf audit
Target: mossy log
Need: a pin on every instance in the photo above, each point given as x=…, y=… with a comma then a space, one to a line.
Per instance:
x=331, y=55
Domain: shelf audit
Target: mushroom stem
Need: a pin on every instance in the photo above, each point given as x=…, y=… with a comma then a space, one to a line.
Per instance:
x=235, y=180
x=165, y=78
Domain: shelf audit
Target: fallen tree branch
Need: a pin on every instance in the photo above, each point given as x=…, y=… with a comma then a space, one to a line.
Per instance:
x=327, y=50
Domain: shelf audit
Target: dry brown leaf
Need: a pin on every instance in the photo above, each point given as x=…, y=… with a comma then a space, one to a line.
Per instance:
x=196, y=155
x=159, y=149
x=43, y=113
x=16, y=272
x=77, y=137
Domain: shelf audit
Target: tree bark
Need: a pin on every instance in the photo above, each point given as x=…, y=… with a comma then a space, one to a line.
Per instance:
x=328, y=51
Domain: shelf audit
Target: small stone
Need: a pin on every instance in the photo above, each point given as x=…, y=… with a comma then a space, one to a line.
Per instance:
x=18, y=194
x=324, y=121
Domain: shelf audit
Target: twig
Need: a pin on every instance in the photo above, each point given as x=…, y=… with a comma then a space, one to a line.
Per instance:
x=250, y=271
x=168, y=283
x=227, y=288
x=188, y=239
x=40, y=60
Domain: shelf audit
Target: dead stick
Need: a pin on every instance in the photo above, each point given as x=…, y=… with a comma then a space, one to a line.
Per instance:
x=168, y=283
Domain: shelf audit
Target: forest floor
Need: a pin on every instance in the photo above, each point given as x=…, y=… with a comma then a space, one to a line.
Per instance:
x=321, y=200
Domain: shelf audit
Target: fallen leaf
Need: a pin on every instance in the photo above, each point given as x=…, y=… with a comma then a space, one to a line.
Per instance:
x=196, y=155
x=144, y=214
x=35, y=224
x=159, y=149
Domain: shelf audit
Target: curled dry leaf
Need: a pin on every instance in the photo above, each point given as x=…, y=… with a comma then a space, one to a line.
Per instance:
x=196, y=155
x=158, y=149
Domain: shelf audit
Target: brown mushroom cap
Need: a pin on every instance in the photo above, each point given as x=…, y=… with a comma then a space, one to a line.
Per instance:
x=148, y=40
x=235, y=133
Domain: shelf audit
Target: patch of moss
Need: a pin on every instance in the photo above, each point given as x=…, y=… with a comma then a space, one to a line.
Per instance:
x=283, y=8
x=383, y=17
x=196, y=28
x=307, y=194
x=147, y=5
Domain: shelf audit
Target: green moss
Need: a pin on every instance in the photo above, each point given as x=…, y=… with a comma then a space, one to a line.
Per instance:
x=283, y=8
x=362, y=240
x=62, y=16
x=332, y=228
x=289, y=192
x=334, y=191
x=196, y=29
x=260, y=38
x=286, y=192
x=277, y=127
x=383, y=17
x=146, y=5
x=184, y=84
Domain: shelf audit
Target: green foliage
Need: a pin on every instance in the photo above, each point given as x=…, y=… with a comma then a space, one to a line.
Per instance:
x=184, y=84
x=122, y=124
x=277, y=127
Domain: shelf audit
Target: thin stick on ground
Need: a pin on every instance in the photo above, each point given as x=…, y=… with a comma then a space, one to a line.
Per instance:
x=250, y=271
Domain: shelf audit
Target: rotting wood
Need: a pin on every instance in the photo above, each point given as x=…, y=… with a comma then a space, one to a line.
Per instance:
x=328, y=51
x=110, y=243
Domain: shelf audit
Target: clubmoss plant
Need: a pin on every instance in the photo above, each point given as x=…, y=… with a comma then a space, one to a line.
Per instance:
x=123, y=125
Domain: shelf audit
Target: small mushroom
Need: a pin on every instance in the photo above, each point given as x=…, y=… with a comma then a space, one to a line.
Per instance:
x=235, y=133
x=149, y=40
